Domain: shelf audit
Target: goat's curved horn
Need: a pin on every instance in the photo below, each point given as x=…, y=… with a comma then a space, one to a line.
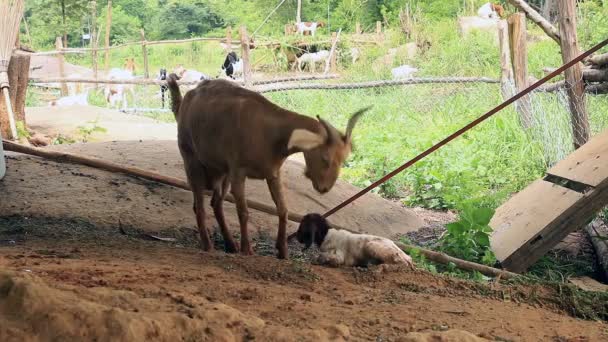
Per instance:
x=332, y=132
x=353, y=120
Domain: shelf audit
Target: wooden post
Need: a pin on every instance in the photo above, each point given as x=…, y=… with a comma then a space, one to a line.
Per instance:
x=18, y=76
x=333, y=59
x=506, y=74
x=144, y=51
x=107, y=37
x=94, y=38
x=245, y=56
x=358, y=27
x=574, y=74
x=61, y=62
x=299, y=12
x=379, y=28
x=519, y=58
x=229, y=38
x=332, y=52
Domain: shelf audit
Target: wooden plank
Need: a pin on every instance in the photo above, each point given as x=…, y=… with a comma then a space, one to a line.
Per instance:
x=520, y=220
x=588, y=164
x=528, y=214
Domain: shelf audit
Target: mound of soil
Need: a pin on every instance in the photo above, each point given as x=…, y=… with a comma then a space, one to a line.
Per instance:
x=69, y=280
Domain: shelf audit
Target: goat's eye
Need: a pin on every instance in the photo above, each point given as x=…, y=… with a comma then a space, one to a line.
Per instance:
x=325, y=161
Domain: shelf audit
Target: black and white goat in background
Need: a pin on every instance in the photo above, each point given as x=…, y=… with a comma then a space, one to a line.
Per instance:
x=163, y=87
x=342, y=248
x=232, y=66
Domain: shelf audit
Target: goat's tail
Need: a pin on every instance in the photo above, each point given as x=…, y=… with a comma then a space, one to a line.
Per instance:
x=176, y=95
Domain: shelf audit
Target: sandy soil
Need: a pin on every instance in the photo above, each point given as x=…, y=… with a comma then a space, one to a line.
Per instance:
x=68, y=280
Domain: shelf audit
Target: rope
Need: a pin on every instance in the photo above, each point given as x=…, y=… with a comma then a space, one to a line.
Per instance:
x=466, y=128
x=267, y=17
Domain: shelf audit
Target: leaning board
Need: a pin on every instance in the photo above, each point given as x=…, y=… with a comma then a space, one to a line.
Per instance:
x=539, y=217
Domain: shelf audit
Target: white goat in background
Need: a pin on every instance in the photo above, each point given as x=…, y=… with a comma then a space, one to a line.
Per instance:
x=312, y=59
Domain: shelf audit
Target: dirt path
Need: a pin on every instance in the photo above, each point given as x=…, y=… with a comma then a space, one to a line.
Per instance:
x=37, y=187
x=119, y=126
x=91, y=283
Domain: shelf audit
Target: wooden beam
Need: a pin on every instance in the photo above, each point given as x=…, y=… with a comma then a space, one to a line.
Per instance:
x=107, y=37
x=574, y=74
x=538, y=19
x=519, y=58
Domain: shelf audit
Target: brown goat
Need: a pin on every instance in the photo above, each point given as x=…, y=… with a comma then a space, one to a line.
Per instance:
x=227, y=133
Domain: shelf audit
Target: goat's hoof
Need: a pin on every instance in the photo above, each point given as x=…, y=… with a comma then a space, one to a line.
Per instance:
x=246, y=249
x=231, y=247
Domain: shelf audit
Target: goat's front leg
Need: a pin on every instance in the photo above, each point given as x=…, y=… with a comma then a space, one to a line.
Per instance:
x=237, y=183
x=276, y=191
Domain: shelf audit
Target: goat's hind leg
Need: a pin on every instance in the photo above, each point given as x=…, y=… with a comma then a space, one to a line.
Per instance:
x=197, y=178
x=217, y=202
x=237, y=185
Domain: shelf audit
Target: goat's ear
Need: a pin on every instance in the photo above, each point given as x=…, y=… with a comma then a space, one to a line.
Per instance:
x=332, y=133
x=303, y=139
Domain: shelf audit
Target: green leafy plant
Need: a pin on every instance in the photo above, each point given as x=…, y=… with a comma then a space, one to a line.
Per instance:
x=87, y=131
x=21, y=130
x=469, y=237
x=62, y=139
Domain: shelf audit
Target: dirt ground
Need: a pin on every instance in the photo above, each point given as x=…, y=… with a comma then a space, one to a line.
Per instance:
x=80, y=260
x=70, y=280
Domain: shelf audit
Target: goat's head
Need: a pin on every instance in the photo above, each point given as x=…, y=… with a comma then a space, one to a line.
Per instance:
x=130, y=64
x=326, y=152
x=498, y=9
x=320, y=24
x=179, y=71
x=313, y=228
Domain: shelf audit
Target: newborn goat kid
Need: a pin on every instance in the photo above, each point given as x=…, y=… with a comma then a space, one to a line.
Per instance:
x=340, y=247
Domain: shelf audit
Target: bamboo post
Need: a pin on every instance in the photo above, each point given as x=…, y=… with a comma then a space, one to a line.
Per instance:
x=61, y=62
x=229, y=38
x=107, y=37
x=506, y=74
x=94, y=38
x=574, y=74
x=517, y=38
x=144, y=51
x=379, y=30
x=357, y=28
x=245, y=56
